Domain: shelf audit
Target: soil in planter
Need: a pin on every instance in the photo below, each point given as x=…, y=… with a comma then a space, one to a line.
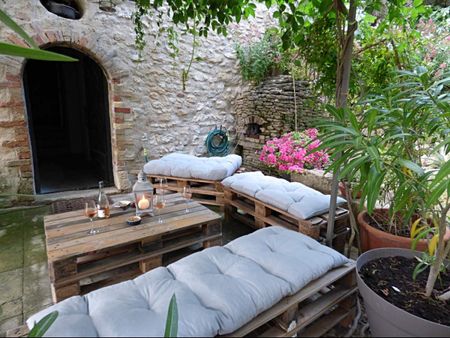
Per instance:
x=381, y=221
x=391, y=278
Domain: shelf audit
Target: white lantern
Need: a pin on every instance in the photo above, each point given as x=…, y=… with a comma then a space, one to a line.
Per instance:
x=143, y=195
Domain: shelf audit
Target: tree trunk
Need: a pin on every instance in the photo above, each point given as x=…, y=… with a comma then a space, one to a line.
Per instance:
x=342, y=87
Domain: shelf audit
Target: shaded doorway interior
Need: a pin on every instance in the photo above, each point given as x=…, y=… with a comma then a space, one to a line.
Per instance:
x=68, y=120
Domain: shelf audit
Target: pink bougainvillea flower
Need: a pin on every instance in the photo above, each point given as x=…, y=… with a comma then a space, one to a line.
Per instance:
x=294, y=151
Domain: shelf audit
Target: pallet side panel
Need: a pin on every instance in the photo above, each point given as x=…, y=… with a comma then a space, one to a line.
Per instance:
x=207, y=192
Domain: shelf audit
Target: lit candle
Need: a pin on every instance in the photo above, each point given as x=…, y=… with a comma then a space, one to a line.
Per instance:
x=143, y=203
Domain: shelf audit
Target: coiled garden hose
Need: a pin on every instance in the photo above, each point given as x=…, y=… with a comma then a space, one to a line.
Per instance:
x=217, y=142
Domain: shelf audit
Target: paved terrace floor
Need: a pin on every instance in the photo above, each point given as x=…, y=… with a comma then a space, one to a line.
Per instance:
x=24, y=281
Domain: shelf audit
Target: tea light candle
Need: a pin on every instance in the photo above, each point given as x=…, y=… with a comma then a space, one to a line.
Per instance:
x=143, y=203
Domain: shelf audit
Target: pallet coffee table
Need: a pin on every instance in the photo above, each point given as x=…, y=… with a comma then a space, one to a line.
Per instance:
x=79, y=262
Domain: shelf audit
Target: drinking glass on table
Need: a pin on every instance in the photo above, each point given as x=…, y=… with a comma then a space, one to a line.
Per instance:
x=187, y=194
x=162, y=186
x=90, y=211
x=160, y=203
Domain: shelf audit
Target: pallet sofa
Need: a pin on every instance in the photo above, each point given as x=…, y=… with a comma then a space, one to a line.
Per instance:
x=202, y=174
x=259, y=200
x=273, y=282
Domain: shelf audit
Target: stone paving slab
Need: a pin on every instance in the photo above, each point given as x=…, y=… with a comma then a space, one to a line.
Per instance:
x=10, y=309
x=36, y=289
x=10, y=324
x=11, y=284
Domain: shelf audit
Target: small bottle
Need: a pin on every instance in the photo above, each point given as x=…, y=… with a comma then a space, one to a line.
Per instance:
x=102, y=202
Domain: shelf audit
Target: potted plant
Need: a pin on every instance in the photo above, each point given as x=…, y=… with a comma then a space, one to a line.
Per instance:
x=296, y=153
x=387, y=145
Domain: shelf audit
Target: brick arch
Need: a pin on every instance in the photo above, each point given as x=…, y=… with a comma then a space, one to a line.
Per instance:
x=18, y=147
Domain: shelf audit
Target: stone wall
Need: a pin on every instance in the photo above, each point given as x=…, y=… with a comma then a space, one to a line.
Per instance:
x=271, y=105
x=145, y=96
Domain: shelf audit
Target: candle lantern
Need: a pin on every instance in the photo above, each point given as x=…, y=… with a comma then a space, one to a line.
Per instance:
x=143, y=195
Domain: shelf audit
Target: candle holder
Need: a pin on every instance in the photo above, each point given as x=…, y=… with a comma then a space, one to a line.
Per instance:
x=143, y=195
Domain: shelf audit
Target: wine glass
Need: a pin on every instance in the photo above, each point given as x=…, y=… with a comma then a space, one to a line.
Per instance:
x=162, y=186
x=160, y=203
x=90, y=211
x=187, y=194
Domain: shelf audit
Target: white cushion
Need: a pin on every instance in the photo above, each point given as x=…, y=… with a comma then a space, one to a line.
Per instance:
x=218, y=289
x=293, y=197
x=190, y=166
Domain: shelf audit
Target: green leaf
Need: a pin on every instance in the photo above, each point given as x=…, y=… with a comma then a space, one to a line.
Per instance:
x=16, y=28
x=32, y=53
x=421, y=267
x=172, y=319
x=375, y=179
x=443, y=173
x=411, y=165
x=421, y=235
x=436, y=193
x=41, y=327
x=353, y=165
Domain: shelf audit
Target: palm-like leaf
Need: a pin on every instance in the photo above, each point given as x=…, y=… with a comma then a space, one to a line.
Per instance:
x=172, y=319
x=41, y=327
x=16, y=28
x=30, y=53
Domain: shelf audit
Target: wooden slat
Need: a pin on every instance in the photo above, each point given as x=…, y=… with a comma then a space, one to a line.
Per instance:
x=118, y=261
x=325, y=324
x=246, y=207
x=182, y=179
x=243, y=219
x=110, y=278
x=74, y=217
x=207, y=202
x=271, y=215
x=69, y=238
x=79, y=230
x=286, y=303
x=201, y=190
x=124, y=236
x=314, y=310
x=204, y=190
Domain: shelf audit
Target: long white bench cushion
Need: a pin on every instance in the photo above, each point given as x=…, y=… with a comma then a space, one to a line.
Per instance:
x=190, y=166
x=218, y=289
x=295, y=198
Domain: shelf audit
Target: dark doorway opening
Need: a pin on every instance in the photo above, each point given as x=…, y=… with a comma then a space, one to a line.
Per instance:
x=68, y=120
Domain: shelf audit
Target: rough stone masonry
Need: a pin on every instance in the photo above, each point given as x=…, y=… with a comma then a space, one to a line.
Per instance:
x=145, y=96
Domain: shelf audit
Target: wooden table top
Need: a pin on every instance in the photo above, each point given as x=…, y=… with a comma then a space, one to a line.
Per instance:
x=67, y=233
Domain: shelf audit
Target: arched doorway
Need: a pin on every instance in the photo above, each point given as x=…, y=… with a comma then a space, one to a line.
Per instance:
x=68, y=120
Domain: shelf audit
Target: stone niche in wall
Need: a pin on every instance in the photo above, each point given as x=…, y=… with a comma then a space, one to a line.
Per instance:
x=268, y=110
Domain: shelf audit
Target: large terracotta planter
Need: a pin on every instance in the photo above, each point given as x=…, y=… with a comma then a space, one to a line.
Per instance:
x=386, y=319
x=372, y=238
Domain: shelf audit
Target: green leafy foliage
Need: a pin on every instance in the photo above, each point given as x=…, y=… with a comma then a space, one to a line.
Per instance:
x=258, y=59
x=172, y=319
x=41, y=327
x=32, y=52
x=385, y=143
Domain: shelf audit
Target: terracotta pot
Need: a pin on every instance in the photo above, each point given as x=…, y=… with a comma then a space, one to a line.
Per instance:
x=372, y=238
x=343, y=192
x=386, y=319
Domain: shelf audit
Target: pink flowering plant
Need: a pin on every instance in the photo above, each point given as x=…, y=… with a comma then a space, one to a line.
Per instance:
x=294, y=152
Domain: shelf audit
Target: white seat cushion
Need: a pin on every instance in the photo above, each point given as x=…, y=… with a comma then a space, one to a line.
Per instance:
x=293, y=197
x=218, y=290
x=190, y=166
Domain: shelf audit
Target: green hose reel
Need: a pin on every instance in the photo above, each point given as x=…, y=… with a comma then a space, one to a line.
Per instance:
x=217, y=142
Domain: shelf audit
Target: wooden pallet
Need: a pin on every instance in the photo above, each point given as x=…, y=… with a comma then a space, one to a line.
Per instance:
x=311, y=312
x=257, y=214
x=80, y=263
x=207, y=192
